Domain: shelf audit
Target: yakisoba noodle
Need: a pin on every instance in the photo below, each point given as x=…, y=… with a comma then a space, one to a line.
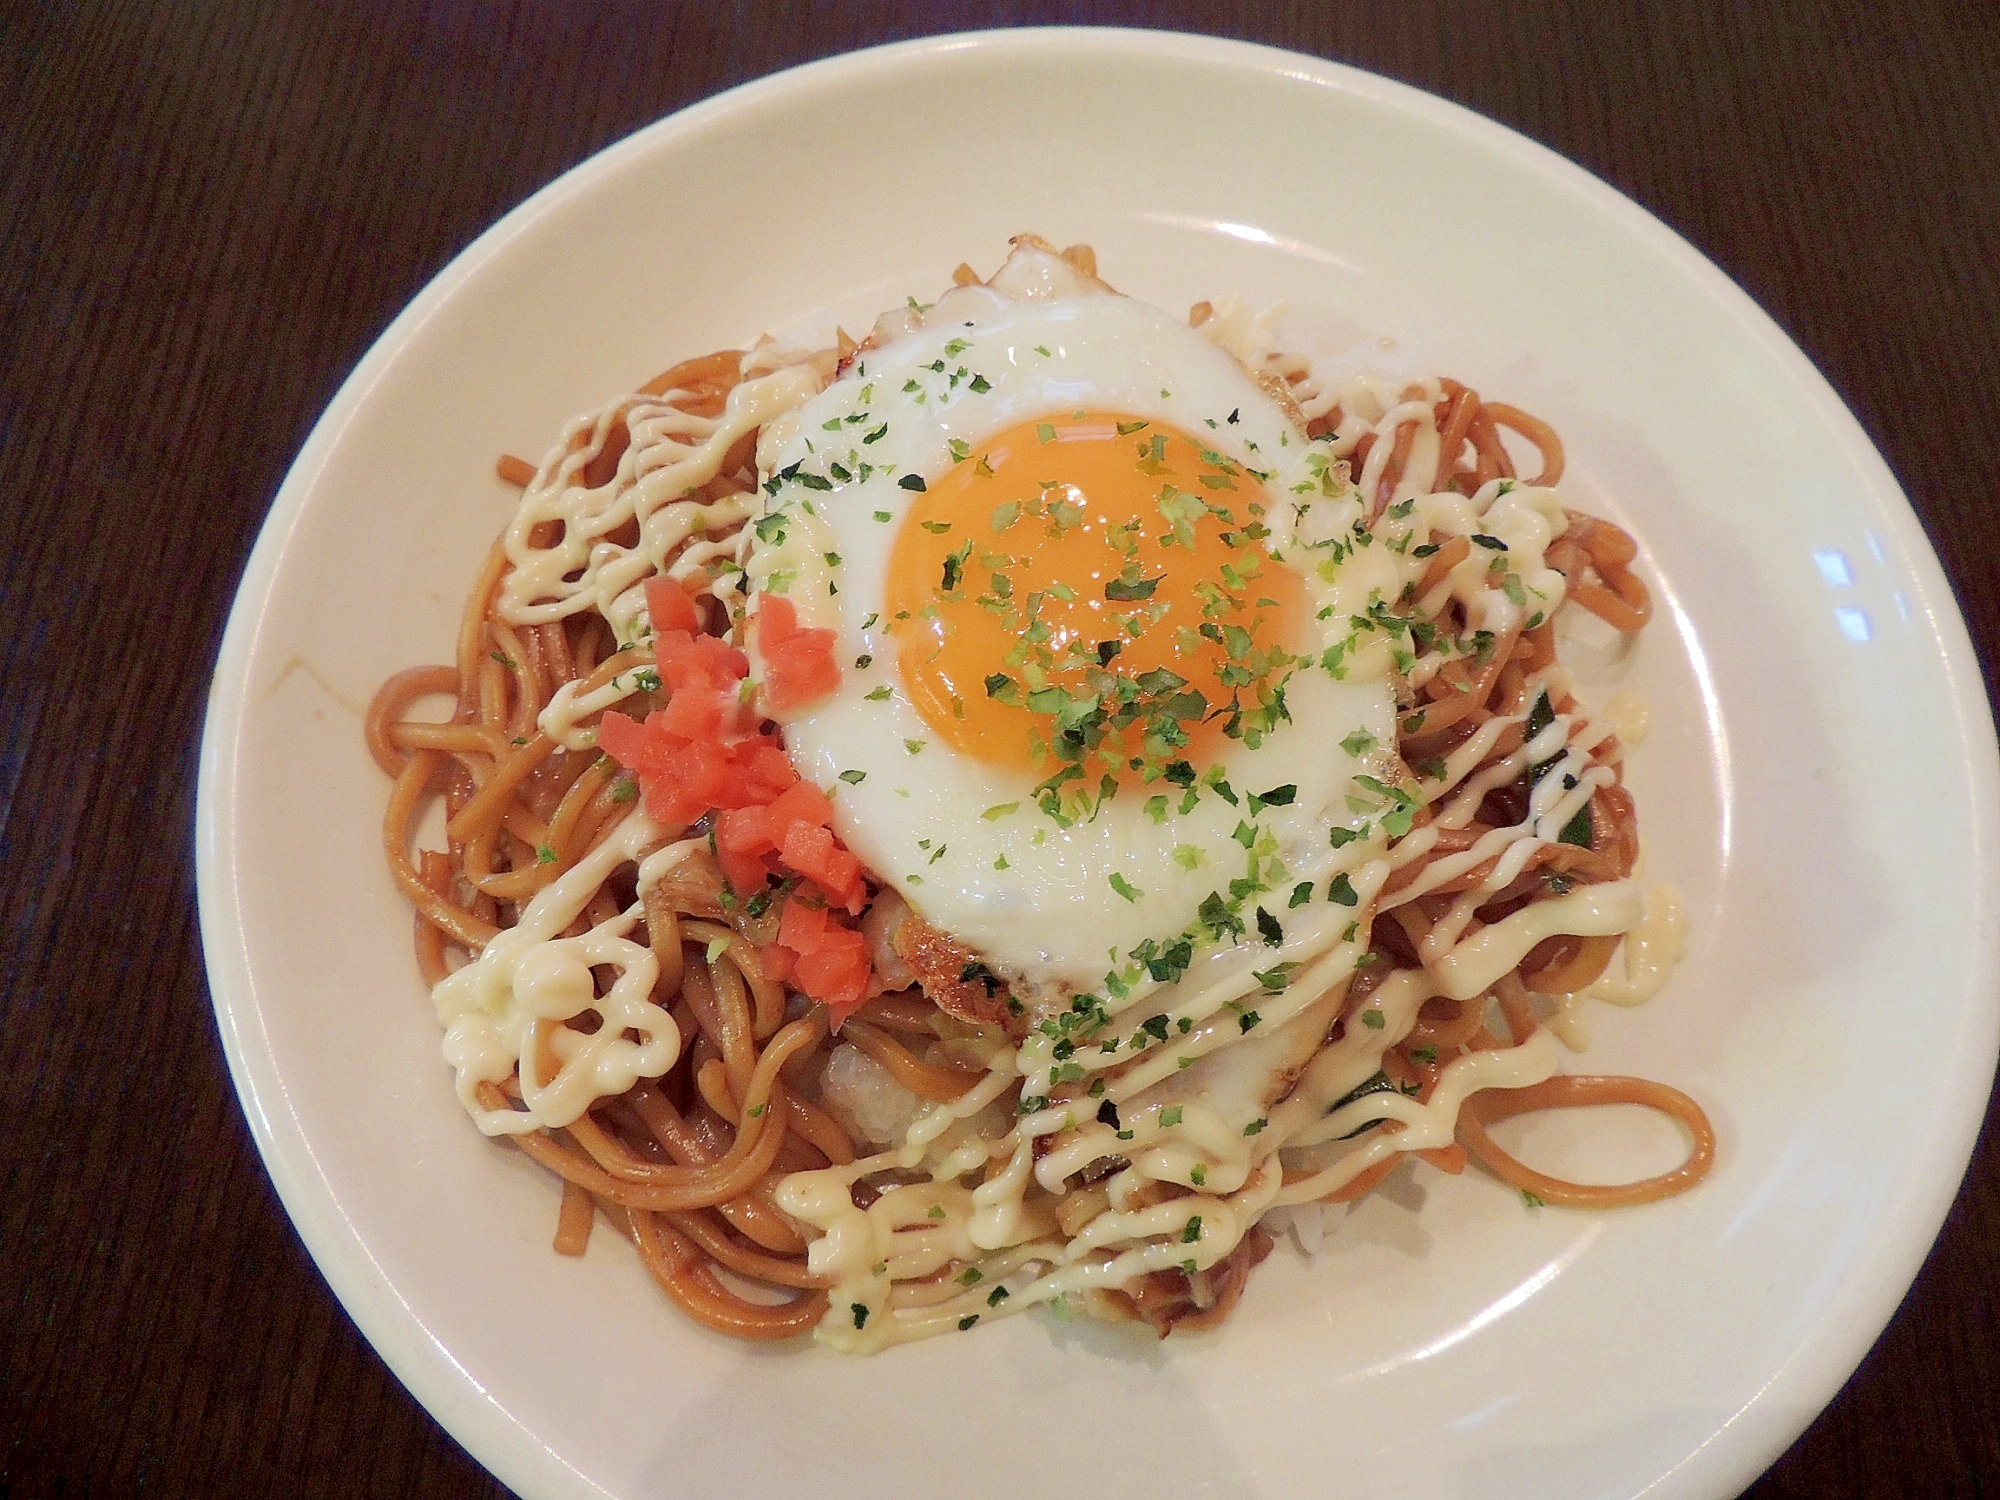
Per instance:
x=810, y=1108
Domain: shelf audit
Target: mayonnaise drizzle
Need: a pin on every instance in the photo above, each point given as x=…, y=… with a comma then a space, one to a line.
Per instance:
x=513, y=1001
x=658, y=485
x=1637, y=971
x=672, y=453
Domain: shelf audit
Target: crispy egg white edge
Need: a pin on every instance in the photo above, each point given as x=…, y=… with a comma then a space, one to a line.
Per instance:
x=1052, y=914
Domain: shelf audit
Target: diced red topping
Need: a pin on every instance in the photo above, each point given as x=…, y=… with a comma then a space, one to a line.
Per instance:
x=798, y=663
x=704, y=752
x=793, y=830
x=685, y=776
x=829, y=961
x=669, y=607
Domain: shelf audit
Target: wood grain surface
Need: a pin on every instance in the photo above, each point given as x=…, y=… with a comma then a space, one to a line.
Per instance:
x=209, y=211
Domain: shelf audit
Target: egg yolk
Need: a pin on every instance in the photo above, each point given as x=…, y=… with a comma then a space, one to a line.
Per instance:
x=1089, y=598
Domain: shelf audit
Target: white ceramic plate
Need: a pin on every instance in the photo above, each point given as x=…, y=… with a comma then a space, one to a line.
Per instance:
x=1819, y=783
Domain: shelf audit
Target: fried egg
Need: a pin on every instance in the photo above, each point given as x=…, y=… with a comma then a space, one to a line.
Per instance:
x=1087, y=579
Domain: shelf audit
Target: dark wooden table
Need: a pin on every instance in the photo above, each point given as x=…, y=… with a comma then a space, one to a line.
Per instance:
x=208, y=212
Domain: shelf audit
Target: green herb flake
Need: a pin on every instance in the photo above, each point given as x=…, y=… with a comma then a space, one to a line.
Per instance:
x=1577, y=830
x=1275, y=980
x=1124, y=589
x=1216, y=916
x=1277, y=796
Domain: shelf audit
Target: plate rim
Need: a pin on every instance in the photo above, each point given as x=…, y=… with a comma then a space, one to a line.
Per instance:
x=1823, y=1357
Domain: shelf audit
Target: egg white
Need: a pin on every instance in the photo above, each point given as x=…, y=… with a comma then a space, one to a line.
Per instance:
x=1037, y=899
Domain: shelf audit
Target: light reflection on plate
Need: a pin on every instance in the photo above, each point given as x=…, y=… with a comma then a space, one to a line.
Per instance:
x=1819, y=783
